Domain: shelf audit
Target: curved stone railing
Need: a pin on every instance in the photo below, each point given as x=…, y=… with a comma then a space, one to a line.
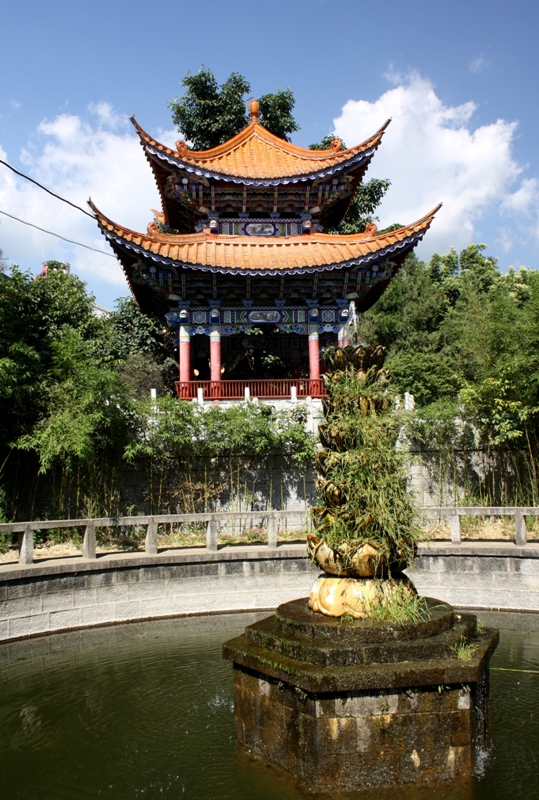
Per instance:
x=62, y=594
x=454, y=513
x=59, y=594
x=213, y=521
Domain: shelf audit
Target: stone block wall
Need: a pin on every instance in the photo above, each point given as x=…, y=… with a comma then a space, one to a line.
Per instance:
x=423, y=734
x=479, y=575
x=36, y=600
x=73, y=593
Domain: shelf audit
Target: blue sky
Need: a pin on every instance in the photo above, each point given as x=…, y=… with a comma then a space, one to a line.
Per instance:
x=459, y=80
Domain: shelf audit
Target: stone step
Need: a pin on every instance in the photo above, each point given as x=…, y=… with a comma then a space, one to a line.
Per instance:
x=266, y=634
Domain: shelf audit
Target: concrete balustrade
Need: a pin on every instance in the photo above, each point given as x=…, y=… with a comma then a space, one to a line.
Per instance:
x=454, y=513
x=214, y=522
x=66, y=593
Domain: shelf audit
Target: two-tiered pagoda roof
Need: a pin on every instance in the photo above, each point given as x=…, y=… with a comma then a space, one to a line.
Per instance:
x=240, y=241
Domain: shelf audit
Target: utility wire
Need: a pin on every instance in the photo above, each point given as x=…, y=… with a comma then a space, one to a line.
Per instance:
x=79, y=244
x=27, y=177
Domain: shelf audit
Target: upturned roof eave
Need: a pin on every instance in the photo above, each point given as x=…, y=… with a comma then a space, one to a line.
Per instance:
x=328, y=161
x=298, y=249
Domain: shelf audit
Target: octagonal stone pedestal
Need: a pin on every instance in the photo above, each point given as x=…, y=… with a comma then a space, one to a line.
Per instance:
x=362, y=704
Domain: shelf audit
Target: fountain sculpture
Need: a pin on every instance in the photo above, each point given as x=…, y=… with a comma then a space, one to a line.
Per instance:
x=364, y=683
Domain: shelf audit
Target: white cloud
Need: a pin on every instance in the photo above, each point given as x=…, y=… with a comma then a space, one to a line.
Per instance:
x=478, y=64
x=524, y=200
x=76, y=158
x=432, y=153
x=107, y=116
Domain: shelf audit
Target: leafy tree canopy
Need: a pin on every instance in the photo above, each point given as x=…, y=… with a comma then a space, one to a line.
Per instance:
x=33, y=314
x=208, y=114
x=276, y=113
x=127, y=331
x=459, y=331
x=366, y=200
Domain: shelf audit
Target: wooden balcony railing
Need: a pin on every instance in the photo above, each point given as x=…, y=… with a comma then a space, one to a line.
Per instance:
x=271, y=388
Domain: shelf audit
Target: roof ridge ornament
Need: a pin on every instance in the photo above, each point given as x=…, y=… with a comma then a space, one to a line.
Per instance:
x=336, y=145
x=254, y=111
x=371, y=228
x=181, y=147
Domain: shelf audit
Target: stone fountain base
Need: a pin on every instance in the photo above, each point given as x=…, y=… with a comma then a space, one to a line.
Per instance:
x=364, y=703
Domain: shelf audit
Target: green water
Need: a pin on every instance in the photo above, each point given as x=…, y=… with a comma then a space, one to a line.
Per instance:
x=145, y=711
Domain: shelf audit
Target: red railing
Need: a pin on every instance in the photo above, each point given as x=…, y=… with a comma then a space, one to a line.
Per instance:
x=263, y=389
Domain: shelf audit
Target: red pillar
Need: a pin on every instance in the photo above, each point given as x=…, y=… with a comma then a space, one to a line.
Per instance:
x=215, y=361
x=314, y=353
x=185, y=359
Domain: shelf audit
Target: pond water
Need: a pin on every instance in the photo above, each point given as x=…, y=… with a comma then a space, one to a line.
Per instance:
x=145, y=711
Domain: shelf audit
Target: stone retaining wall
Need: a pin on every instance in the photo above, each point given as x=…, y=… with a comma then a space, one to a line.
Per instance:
x=57, y=596
x=480, y=575
x=64, y=594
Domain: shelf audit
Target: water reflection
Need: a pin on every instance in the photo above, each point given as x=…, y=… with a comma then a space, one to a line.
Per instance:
x=145, y=711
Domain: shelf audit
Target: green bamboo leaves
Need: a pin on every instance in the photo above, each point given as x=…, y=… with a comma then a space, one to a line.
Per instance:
x=363, y=491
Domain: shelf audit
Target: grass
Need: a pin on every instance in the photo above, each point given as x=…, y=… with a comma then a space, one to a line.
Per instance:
x=195, y=536
x=400, y=607
x=463, y=650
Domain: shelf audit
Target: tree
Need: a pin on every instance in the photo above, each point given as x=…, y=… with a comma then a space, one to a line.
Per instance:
x=88, y=412
x=139, y=348
x=276, y=113
x=208, y=114
x=33, y=314
x=326, y=143
x=462, y=338
x=366, y=199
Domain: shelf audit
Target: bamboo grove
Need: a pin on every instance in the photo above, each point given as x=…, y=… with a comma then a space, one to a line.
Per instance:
x=76, y=413
x=78, y=424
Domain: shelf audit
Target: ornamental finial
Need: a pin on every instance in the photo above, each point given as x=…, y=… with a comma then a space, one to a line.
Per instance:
x=254, y=110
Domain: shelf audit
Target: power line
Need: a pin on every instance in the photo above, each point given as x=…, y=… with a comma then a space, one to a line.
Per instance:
x=70, y=241
x=69, y=203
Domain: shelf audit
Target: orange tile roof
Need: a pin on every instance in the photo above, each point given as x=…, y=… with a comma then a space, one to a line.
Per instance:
x=256, y=255
x=256, y=155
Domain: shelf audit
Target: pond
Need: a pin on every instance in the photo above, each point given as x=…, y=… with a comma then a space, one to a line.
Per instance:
x=145, y=711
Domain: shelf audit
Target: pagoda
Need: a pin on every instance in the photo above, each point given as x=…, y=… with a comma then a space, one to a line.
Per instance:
x=238, y=261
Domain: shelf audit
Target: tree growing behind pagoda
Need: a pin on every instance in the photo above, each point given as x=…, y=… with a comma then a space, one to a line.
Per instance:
x=208, y=114
x=366, y=200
